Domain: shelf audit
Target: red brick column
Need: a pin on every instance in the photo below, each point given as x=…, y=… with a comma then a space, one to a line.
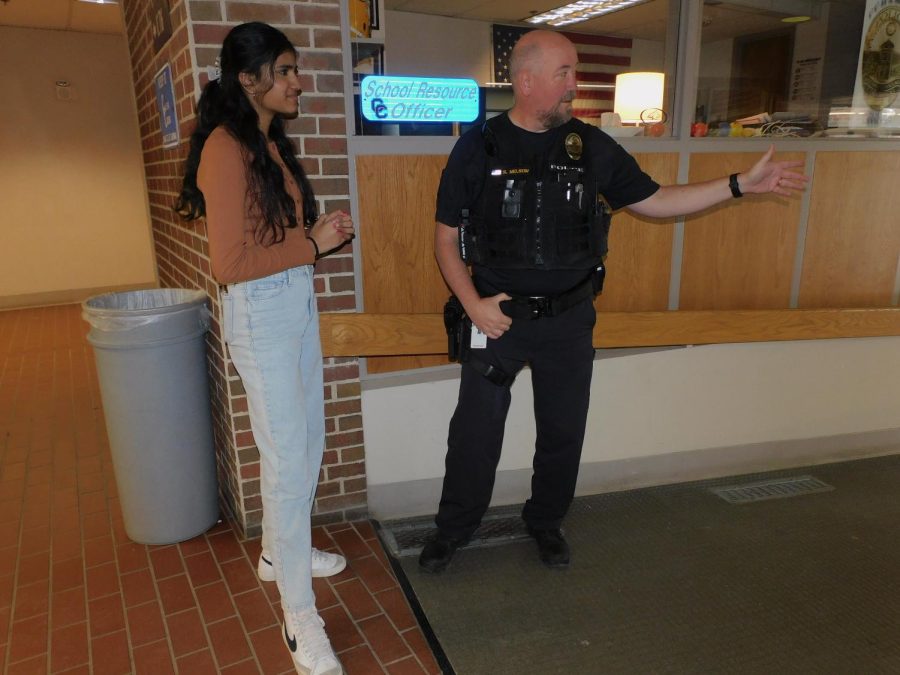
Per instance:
x=320, y=135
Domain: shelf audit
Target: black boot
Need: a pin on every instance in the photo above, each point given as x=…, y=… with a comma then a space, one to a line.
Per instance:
x=552, y=546
x=438, y=552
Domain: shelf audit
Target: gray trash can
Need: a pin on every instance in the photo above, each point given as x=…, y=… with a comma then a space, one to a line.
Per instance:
x=150, y=351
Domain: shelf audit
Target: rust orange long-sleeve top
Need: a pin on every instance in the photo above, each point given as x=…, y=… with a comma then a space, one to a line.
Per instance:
x=234, y=253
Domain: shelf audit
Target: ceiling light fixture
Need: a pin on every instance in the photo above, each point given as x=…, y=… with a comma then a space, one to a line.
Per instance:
x=795, y=19
x=101, y=2
x=580, y=11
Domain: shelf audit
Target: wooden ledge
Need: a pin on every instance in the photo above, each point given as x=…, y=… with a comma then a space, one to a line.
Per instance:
x=361, y=334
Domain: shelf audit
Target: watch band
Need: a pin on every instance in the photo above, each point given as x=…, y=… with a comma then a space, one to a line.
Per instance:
x=735, y=188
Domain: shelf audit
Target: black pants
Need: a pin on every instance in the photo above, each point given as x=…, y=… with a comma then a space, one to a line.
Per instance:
x=560, y=352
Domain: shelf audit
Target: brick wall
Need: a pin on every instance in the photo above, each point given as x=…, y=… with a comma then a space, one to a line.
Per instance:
x=320, y=135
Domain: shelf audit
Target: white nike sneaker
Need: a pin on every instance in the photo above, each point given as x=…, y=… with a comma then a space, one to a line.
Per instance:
x=304, y=635
x=264, y=569
x=324, y=564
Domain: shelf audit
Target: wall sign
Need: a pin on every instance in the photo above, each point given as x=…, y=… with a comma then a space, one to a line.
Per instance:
x=165, y=103
x=160, y=23
x=878, y=72
x=418, y=99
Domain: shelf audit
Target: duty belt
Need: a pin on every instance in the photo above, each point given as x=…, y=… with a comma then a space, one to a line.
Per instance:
x=537, y=306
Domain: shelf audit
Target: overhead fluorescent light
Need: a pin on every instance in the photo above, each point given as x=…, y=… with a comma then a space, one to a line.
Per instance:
x=101, y=2
x=580, y=11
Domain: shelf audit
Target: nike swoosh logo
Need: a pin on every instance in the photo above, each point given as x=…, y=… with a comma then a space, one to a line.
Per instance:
x=266, y=560
x=290, y=639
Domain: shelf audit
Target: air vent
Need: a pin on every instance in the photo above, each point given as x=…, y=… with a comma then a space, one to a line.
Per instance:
x=776, y=488
x=407, y=537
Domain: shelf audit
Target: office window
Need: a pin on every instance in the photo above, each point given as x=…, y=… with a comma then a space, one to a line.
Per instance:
x=798, y=68
x=472, y=40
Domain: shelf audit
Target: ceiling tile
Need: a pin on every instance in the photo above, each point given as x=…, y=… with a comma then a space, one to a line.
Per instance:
x=36, y=13
x=62, y=15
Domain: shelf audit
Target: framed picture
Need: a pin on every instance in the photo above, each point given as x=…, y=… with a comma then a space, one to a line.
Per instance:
x=374, y=22
x=160, y=23
x=360, y=18
x=368, y=59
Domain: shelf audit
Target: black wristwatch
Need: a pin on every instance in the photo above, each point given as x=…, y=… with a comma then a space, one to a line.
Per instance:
x=735, y=188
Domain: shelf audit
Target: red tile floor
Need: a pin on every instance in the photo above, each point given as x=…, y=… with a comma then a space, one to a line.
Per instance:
x=77, y=596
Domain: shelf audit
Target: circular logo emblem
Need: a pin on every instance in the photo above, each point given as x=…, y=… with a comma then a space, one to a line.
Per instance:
x=880, y=63
x=574, y=146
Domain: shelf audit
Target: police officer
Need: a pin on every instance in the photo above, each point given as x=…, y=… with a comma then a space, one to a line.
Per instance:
x=525, y=200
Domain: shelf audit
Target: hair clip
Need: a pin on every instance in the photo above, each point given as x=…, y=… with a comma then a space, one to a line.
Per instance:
x=214, y=72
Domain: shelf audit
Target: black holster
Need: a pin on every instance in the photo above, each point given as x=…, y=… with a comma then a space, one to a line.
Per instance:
x=459, y=344
x=456, y=324
x=597, y=278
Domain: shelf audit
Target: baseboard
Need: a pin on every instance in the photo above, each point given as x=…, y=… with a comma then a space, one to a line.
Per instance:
x=420, y=497
x=65, y=296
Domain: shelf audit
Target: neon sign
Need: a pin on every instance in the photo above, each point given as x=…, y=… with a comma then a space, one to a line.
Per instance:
x=418, y=99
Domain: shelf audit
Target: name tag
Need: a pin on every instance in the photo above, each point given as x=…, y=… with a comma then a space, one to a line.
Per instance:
x=479, y=339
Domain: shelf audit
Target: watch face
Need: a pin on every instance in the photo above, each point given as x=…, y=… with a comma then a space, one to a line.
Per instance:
x=880, y=61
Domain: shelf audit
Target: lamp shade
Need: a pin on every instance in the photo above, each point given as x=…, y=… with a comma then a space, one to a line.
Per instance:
x=636, y=92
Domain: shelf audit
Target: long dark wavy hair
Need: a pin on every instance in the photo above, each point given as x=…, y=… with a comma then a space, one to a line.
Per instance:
x=248, y=48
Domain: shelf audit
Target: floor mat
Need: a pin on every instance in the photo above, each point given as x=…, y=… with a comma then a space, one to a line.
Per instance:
x=676, y=579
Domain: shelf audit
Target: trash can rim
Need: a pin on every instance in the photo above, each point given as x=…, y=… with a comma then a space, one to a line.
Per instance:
x=192, y=296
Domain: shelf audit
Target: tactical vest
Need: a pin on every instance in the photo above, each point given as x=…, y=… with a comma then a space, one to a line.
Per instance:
x=537, y=212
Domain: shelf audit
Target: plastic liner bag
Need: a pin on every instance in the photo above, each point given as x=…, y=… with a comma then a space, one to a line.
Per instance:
x=115, y=312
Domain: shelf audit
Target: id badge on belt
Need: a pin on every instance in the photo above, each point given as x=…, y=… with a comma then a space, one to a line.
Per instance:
x=479, y=339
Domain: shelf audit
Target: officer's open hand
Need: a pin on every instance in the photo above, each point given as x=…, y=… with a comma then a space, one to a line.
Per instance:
x=488, y=316
x=769, y=176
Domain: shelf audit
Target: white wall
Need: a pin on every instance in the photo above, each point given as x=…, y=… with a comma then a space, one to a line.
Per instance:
x=422, y=44
x=648, y=55
x=657, y=417
x=715, y=78
x=75, y=212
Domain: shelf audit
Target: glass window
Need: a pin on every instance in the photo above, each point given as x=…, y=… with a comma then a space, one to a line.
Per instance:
x=798, y=68
x=418, y=38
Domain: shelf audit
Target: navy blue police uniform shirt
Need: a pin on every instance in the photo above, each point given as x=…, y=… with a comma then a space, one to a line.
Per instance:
x=621, y=180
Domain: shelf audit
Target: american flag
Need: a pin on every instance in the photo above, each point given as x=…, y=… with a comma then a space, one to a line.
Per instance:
x=600, y=59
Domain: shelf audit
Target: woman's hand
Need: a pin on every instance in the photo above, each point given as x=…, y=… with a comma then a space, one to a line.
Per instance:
x=332, y=230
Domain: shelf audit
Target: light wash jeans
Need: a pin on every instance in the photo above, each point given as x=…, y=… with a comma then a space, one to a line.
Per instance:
x=272, y=331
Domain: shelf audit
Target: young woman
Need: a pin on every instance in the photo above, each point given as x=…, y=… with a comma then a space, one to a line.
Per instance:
x=264, y=237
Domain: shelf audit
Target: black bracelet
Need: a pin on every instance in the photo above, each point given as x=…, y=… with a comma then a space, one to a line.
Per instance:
x=735, y=188
x=315, y=246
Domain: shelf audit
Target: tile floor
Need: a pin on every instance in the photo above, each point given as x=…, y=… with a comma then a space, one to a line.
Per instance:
x=77, y=596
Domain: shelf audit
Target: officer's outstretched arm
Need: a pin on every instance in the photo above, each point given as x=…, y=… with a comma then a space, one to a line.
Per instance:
x=764, y=176
x=484, y=312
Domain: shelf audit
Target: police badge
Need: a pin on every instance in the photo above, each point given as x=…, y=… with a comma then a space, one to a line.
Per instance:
x=574, y=146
